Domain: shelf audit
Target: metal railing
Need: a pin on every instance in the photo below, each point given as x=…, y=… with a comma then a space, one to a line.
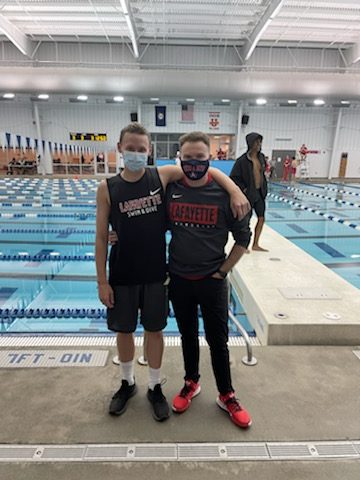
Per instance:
x=249, y=359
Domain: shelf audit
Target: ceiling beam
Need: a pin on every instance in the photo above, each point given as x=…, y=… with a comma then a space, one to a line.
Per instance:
x=354, y=53
x=16, y=36
x=130, y=21
x=270, y=13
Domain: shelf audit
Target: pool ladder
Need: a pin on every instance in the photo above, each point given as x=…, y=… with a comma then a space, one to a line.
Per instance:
x=249, y=359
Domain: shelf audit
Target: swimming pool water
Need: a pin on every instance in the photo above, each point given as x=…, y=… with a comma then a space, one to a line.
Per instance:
x=47, y=259
x=47, y=245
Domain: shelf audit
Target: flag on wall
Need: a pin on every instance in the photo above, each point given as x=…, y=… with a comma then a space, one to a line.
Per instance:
x=160, y=116
x=187, y=112
x=214, y=120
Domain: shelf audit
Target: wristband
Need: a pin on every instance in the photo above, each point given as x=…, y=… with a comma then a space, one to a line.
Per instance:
x=222, y=274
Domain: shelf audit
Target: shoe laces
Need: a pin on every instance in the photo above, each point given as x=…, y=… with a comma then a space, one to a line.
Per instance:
x=187, y=388
x=233, y=404
x=158, y=396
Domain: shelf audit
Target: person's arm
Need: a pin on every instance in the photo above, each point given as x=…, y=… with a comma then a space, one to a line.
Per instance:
x=106, y=293
x=236, y=175
x=240, y=230
x=169, y=174
x=236, y=253
x=240, y=205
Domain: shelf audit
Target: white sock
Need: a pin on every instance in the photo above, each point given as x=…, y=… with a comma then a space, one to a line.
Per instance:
x=128, y=371
x=154, y=377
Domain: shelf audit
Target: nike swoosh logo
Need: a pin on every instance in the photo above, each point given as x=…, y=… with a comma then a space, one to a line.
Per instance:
x=174, y=195
x=155, y=191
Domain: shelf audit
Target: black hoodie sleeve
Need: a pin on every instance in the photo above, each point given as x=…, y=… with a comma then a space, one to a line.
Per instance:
x=236, y=175
x=240, y=229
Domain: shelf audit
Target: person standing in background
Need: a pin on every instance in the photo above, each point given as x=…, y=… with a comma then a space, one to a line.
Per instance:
x=294, y=164
x=177, y=159
x=286, y=168
x=248, y=173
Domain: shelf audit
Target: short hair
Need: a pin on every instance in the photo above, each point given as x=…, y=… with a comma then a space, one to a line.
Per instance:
x=193, y=137
x=134, y=127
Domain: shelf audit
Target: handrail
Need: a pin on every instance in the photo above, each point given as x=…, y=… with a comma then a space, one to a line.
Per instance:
x=249, y=360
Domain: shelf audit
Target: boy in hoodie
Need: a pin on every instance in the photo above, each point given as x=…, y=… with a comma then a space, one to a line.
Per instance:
x=248, y=173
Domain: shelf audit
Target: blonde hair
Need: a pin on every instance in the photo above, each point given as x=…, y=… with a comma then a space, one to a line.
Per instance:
x=134, y=127
x=193, y=137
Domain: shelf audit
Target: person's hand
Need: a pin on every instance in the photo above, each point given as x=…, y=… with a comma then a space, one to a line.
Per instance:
x=239, y=204
x=112, y=238
x=106, y=294
x=217, y=276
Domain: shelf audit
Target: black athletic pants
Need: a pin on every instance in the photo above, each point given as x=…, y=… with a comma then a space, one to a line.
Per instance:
x=212, y=296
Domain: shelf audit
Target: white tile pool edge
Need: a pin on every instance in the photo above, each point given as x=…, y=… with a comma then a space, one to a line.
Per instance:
x=106, y=341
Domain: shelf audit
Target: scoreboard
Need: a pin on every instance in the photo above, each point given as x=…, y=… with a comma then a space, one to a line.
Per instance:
x=90, y=137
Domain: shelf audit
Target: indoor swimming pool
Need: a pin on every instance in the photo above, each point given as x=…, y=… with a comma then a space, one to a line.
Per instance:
x=323, y=220
x=47, y=268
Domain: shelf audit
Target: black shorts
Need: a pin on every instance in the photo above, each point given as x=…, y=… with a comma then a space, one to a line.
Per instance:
x=152, y=301
x=259, y=205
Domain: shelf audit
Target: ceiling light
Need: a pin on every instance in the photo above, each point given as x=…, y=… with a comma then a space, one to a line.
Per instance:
x=225, y=100
x=345, y=102
x=82, y=98
x=118, y=99
x=190, y=99
x=43, y=96
x=9, y=95
x=261, y=101
x=319, y=101
x=154, y=99
x=292, y=102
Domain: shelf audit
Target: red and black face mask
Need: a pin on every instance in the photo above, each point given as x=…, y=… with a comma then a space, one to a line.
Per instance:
x=195, y=169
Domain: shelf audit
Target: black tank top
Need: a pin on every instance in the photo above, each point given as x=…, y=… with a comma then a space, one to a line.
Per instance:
x=138, y=216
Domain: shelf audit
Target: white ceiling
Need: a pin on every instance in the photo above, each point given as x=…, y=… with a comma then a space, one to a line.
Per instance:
x=325, y=21
x=326, y=25
x=155, y=83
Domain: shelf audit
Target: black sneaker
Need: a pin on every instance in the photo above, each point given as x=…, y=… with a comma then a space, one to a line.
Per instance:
x=158, y=401
x=120, y=398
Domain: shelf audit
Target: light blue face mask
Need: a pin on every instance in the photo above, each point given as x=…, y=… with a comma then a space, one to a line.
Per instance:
x=135, y=161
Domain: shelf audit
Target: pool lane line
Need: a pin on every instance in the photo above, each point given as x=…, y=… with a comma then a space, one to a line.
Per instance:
x=318, y=195
x=317, y=212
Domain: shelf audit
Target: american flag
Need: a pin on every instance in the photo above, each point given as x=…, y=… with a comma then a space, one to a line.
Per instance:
x=187, y=112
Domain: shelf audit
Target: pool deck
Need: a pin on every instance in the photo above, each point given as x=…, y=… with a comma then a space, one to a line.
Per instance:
x=294, y=394
x=303, y=395
x=263, y=280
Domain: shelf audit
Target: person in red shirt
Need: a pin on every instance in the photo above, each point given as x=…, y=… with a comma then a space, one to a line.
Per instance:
x=286, y=169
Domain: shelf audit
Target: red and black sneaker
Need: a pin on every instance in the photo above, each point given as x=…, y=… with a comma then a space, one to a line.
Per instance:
x=237, y=413
x=182, y=400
